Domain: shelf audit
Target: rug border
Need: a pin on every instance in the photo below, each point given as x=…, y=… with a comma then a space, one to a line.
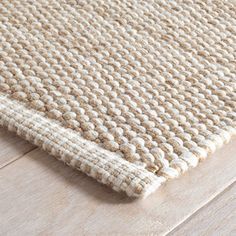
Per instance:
x=68, y=146
x=88, y=157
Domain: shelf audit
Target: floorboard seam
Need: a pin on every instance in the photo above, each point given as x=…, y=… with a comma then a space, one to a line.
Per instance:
x=17, y=158
x=201, y=208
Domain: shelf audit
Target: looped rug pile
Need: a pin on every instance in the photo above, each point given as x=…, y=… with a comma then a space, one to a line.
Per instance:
x=130, y=92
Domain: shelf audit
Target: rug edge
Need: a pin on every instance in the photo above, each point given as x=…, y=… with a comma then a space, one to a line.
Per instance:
x=69, y=147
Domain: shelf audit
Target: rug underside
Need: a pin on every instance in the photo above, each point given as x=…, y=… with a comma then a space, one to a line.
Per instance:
x=132, y=93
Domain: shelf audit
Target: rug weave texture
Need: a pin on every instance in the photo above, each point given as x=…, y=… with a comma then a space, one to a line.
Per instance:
x=130, y=92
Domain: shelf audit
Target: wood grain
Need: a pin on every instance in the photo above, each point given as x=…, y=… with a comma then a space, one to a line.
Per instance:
x=217, y=218
x=40, y=195
x=12, y=147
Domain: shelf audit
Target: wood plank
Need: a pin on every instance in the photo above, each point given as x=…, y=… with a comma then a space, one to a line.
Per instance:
x=12, y=147
x=40, y=195
x=217, y=218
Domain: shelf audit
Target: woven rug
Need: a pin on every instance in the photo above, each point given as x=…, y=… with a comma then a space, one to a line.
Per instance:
x=130, y=92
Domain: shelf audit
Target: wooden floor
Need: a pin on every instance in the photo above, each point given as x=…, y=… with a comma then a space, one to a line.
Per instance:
x=41, y=196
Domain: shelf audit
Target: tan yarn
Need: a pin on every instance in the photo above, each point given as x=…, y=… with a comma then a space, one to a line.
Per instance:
x=149, y=85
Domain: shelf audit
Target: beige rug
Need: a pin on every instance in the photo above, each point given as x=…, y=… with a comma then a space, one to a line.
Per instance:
x=130, y=92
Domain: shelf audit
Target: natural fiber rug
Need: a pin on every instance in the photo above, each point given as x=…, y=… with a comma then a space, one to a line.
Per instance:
x=129, y=92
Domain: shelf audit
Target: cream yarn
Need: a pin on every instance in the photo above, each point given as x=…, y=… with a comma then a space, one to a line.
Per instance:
x=147, y=84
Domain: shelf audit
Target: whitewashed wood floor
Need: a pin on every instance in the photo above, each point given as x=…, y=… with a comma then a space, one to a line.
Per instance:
x=41, y=196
